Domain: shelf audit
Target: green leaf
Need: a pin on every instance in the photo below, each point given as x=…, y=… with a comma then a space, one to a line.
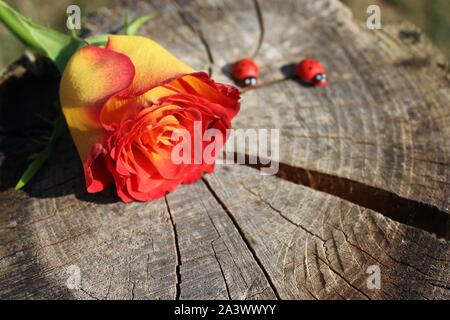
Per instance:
x=98, y=40
x=130, y=29
x=125, y=22
x=53, y=44
x=41, y=157
x=133, y=27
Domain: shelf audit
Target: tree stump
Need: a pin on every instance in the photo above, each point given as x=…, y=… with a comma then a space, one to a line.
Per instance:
x=364, y=179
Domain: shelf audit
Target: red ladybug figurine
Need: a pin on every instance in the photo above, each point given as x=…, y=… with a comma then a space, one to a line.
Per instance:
x=245, y=71
x=312, y=72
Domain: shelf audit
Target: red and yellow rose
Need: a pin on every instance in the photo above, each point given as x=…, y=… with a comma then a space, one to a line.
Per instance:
x=122, y=104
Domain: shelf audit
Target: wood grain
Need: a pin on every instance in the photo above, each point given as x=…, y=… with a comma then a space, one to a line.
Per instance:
x=184, y=246
x=315, y=246
x=383, y=123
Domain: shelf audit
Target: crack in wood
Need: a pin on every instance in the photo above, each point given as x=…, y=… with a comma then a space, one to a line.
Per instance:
x=89, y=294
x=338, y=256
x=406, y=211
x=133, y=283
x=334, y=271
x=221, y=270
x=177, y=249
x=281, y=214
x=242, y=234
x=359, y=248
x=202, y=38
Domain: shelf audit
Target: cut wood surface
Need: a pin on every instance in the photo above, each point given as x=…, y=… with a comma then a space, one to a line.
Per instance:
x=364, y=175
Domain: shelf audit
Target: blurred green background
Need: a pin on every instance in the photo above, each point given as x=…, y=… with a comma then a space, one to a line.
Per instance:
x=430, y=15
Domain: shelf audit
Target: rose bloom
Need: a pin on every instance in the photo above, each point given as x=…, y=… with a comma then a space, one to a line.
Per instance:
x=123, y=105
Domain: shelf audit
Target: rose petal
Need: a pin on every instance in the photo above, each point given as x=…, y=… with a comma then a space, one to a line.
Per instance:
x=154, y=64
x=91, y=77
x=96, y=170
